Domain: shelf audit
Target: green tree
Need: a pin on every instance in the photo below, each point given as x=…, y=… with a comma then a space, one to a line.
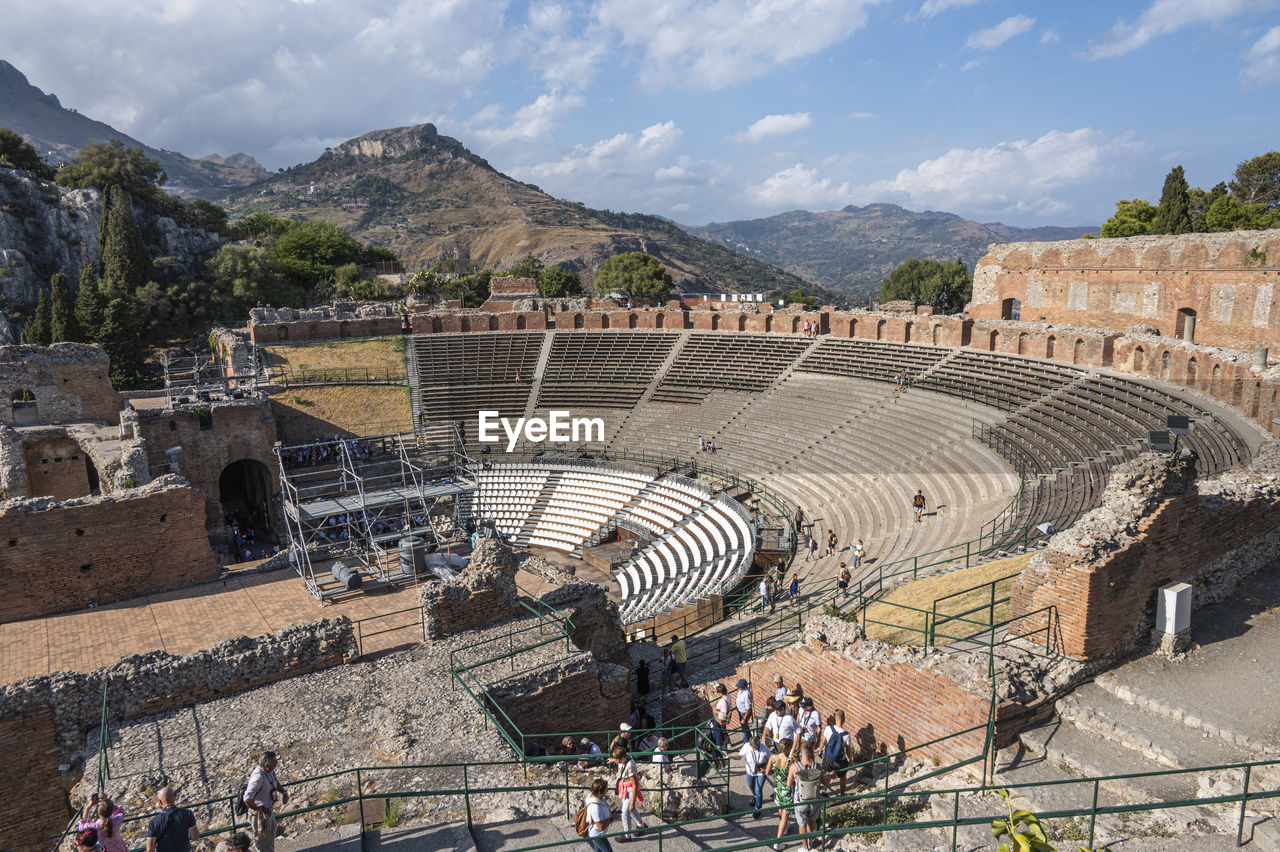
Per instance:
x=244, y=276
x=122, y=341
x=37, y=328
x=207, y=215
x=927, y=281
x=126, y=266
x=1227, y=214
x=17, y=154
x=471, y=289
x=556, y=282
x=261, y=225
x=634, y=274
x=310, y=251
x=104, y=165
x=1173, y=215
x=529, y=267
x=1201, y=201
x=798, y=297
x=1257, y=181
x=62, y=323
x=1132, y=218
x=90, y=305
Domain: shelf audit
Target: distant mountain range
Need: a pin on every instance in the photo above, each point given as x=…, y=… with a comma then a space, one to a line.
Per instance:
x=58, y=133
x=428, y=198
x=852, y=250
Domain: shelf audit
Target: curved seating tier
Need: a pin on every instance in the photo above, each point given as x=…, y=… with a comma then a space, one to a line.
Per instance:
x=603, y=369
x=697, y=543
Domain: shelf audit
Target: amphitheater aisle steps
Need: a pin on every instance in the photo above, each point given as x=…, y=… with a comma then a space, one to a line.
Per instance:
x=647, y=397
x=672, y=428
x=539, y=371
x=760, y=402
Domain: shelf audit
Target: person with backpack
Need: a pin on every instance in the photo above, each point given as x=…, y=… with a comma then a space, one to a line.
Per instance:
x=628, y=789
x=260, y=794
x=593, y=820
x=793, y=593
x=842, y=582
x=642, y=680
x=835, y=748
x=174, y=828
x=805, y=779
x=778, y=769
x=918, y=505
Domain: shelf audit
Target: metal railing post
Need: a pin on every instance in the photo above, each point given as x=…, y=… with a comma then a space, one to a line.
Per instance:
x=1244, y=798
x=360, y=797
x=466, y=793
x=1093, y=813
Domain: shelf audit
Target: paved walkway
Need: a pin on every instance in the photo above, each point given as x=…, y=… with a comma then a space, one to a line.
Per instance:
x=184, y=620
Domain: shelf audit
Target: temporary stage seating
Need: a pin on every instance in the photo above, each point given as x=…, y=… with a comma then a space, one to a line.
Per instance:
x=698, y=543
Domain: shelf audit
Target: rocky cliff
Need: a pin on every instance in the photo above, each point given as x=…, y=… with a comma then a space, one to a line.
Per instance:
x=46, y=228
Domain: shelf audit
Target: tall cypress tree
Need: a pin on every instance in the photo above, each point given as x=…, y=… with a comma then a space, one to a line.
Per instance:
x=1173, y=216
x=122, y=342
x=90, y=305
x=37, y=328
x=125, y=263
x=62, y=323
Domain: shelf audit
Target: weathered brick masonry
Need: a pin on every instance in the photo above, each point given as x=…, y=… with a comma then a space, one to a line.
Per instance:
x=68, y=380
x=43, y=721
x=61, y=556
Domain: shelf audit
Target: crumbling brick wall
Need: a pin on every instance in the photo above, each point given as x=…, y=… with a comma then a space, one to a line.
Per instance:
x=58, y=556
x=56, y=466
x=1156, y=526
x=44, y=720
x=483, y=593
x=68, y=380
x=1229, y=280
x=570, y=694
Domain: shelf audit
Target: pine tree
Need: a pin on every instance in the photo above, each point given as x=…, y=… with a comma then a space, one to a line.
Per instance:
x=122, y=342
x=37, y=328
x=90, y=305
x=1173, y=216
x=125, y=264
x=62, y=325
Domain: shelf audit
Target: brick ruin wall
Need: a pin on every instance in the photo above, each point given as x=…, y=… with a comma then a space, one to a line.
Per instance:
x=573, y=693
x=56, y=466
x=58, y=556
x=476, y=597
x=1231, y=281
x=68, y=380
x=893, y=698
x=44, y=720
x=232, y=432
x=1102, y=575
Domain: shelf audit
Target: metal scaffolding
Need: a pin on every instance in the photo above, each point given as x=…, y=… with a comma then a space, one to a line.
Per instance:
x=358, y=499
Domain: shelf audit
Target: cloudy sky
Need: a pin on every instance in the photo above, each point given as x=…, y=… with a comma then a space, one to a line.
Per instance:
x=700, y=110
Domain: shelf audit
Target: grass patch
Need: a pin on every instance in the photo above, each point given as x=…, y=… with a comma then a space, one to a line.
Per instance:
x=900, y=626
x=328, y=410
x=866, y=814
x=377, y=355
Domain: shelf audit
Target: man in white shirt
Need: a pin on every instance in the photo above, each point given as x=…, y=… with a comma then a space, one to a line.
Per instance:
x=260, y=796
x=808, y=721
x=780, y=689
x=755, y=755
x=780, y=725
x=743, y=704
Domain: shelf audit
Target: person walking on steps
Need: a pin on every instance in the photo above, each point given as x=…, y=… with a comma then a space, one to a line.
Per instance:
x=842, y=582
x=599, y=816
x=804, y=779
x=742, y=703
x=628, y=788
x=174, y=828
x=917, y=505
x=755, y=756
x=778, y=770
x=832, y=541
x=681, y=655
x=813, y=548
x=764, y=594
x=858, y=552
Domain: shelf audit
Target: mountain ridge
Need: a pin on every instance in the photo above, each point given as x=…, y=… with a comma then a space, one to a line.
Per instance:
x=58, y=133
x=851, y=250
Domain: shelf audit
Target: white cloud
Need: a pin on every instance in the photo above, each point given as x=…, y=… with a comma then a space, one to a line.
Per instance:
x=930, y=8
x=201, y=76
x=1163, y=17
x=775, y=125
x=861, y=116
x=798, y=187
x=1049, y=36
x=993, y=37
x=712, y=44
x=973, y=63
x=568, y=47
x=1012, y=177
x=531, y=122
x=621, y=153
x=1263, y=68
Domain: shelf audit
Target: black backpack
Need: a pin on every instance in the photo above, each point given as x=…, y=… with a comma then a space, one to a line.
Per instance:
x=241, y=808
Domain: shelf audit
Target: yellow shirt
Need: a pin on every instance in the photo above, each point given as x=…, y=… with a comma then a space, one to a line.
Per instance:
x=678, y=650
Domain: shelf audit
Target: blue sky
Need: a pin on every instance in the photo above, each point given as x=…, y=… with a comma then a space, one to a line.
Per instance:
x=1021, y=112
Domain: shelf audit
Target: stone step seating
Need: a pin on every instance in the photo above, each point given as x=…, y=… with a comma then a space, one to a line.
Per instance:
x=602, y=369
x=672, y=429
x=461, y=374
x=871, y=359
x=1007, y=383
x=746, y=362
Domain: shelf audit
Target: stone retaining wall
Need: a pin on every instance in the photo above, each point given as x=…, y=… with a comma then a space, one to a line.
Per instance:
x=44, y=720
